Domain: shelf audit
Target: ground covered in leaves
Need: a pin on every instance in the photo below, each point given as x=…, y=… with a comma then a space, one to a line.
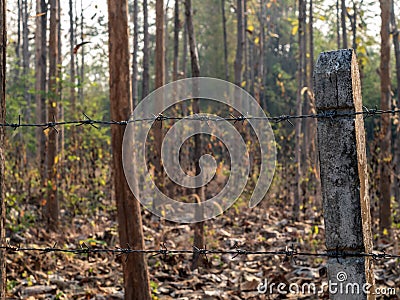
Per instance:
x=36, y=275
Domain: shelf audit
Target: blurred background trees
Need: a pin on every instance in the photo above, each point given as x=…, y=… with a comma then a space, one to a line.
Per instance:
x=268, y=47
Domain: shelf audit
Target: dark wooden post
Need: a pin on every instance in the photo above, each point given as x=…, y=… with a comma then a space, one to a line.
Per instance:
x=342, y=154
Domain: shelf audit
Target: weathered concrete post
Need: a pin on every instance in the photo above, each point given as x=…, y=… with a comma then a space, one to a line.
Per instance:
x=344, y=180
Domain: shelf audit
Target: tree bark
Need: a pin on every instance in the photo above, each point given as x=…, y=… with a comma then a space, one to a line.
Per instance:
x=396, y=158
x=136, y=279
x=82, y=68
x=166, y=42
x=52, y=207
x=263, y=51
x=385, y=221
x=238, y=66
x=185, y=49
x=145, y=75
x=176, y=41
x=3, y=46
x=299, y=104
x=344, y=28
x=225, y=39
x=159, y=82
x=195, y=64
x=26, y=58
x=40, y=84
x=18, y=43
x=353, y=24
x=135, y=54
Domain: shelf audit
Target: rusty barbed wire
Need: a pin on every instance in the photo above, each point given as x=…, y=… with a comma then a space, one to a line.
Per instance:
x=290, y=252
x=332, y=114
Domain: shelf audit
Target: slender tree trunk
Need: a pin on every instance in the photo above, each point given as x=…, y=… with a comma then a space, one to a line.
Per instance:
x=238, y=66
x=313, y=123
x=225, y=39
x=344, y=28
x=245, y=76
x=353, y=23
x=176, y=41
x=159, y=82
x=61, y=135
x=396, y=158
x=145, y=75
x=185, y=50
x=52, y=209
x=135, y=54
x=194, y=57
x=72, y=43
x=40, y=84
x=385, y=133
x=300, y=76
x=263, y=50
x=18, y=43
x=3, y=46
x=82, y=68
x=338, y=24
x=136, y=279
x=26, y=58
x=166, y=42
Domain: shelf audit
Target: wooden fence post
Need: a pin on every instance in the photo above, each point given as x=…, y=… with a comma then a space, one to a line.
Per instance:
x=344, y=178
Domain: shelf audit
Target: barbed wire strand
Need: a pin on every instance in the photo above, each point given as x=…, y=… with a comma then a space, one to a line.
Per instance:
x=289, y=253
x=367, y=113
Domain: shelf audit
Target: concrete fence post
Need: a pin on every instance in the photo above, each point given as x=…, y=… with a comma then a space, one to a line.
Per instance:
x=344, y=179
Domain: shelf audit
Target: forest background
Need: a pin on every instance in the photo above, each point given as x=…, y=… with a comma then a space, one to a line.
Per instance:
x=58, y=69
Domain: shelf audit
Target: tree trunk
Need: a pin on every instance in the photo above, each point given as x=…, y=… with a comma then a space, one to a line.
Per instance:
x=176, y=41
x=344, y=28
x=166, y=41
x=312, y=123
x=159, y=82
x=353, y=23
x=52, y=209
x=338, y=24
x=185, y=49
x=245, y=76
x=82, y=68
x=136, y=279
x=240, y=43
x=385, y=133
x=40, y=84
x=72, y=43
x=135, y=54
x=396, y=158
x=145, y=75
x=263, y=50
x=194, y=57
x=3, y=46
x=18, y=43
x=159, y=59
x=299, y=100
x=26, y=58
x=225, y=39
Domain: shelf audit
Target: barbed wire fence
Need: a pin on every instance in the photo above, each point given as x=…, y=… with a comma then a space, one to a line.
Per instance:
x=290, y=252
x=366, y=113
